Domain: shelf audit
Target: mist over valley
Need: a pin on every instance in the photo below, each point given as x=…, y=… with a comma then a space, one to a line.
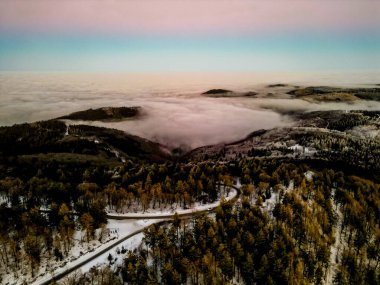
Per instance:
x=173, y=110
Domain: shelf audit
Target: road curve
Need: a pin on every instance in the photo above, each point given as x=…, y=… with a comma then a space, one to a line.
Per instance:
x=164, y=218
x=183, y=213
x=62, y=274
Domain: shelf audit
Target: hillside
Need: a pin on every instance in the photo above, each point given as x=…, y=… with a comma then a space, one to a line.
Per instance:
x=348, y=139
x=216, y=93
x=336, y=94
x=48, y=137
x=307, y=212
x=104, y=114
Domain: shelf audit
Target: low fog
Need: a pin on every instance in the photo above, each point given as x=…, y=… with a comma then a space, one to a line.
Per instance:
x=190, y=123
x=176, y=115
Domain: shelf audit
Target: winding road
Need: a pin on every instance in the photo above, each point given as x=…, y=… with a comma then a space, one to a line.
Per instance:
x=159, y=218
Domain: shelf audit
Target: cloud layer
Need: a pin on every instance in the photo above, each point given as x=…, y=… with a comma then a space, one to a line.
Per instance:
x=175, y=113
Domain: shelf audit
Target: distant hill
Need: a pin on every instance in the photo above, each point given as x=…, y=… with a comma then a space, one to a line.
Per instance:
x=324, y=93
x=127, y=144
x=277, y=85
x=60, y=142
x=217, y=91
x=227, y=93
x=104, y=114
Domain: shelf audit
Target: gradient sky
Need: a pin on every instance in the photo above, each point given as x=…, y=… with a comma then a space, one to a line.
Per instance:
x=157, y=35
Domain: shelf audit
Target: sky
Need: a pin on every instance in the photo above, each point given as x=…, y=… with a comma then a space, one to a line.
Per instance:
x=181, y=36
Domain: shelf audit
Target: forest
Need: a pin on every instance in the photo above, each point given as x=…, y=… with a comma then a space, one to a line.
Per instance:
x=299, y=218
x=43, y=207
x=321, y=227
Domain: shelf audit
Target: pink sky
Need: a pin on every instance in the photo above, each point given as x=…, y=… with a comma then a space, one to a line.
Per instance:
x=188, y=17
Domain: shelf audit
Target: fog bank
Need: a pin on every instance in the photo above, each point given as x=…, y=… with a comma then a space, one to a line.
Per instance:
x=174, y=112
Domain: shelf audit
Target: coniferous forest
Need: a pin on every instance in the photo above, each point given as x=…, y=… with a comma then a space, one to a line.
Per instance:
x=319, y=228
x=296, y=220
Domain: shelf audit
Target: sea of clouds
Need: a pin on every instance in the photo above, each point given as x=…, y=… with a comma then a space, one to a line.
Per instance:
x=174, y=112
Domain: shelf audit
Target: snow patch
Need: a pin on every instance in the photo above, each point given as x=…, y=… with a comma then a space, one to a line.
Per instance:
x=309, y=175
x=270, y=203
x=302, y=149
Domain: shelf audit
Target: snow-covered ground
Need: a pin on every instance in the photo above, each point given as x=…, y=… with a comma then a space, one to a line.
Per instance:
x=78, y=251
x=309, y=175
x=336, y=247
x=117, y=255
x=125, y=228
x=151, y=213
x=270, y=203
x=302, y=149
x=122, y=229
